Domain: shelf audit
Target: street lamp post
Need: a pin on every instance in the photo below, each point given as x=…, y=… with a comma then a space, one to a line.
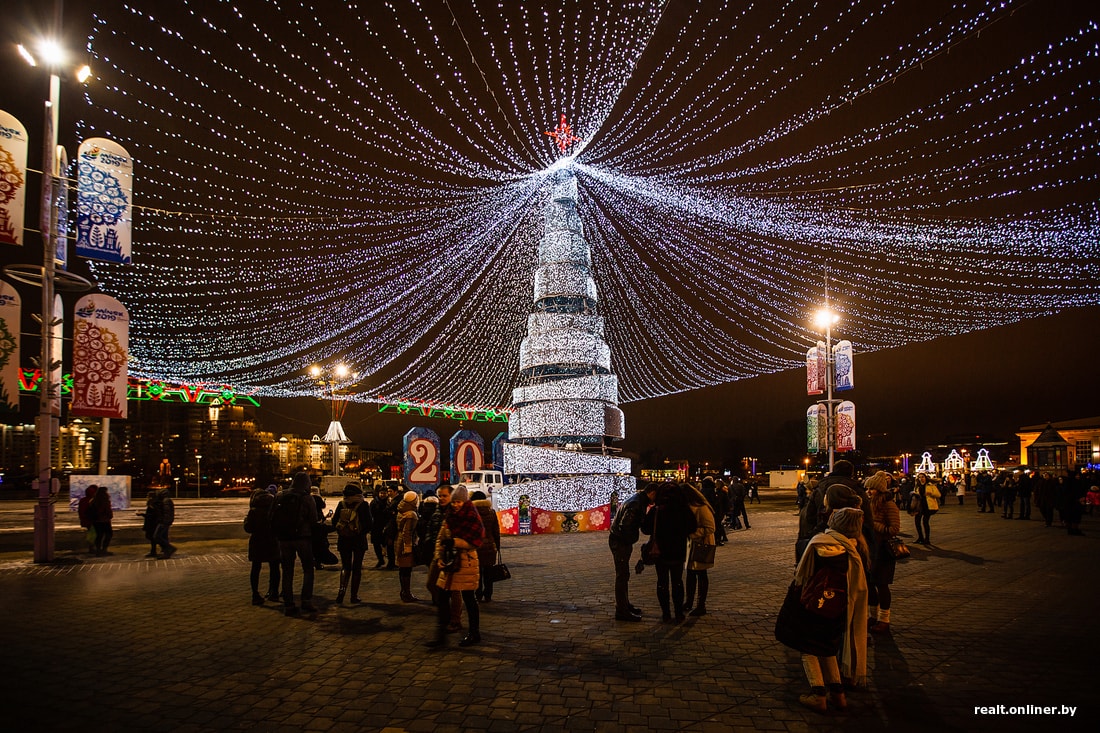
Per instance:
x=198, y=476
x=826, y=319
x=333, y=382
x=46, y=423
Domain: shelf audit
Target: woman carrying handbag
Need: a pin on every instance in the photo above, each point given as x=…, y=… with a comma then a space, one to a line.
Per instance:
x=701, y=551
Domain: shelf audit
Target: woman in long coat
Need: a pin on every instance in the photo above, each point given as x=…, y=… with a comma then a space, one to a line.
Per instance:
x=263, y=547
x=704, y=535
x=887, y=521
x=669, y=522
x=408, y=516
x=487, y=553
x=460, y=535
x=842, y=548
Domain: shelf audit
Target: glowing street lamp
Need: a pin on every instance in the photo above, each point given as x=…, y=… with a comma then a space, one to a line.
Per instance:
x=825, y=319
x=334, y=381
x=52, y=56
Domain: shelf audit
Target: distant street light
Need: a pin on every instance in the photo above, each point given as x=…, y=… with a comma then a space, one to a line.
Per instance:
x=198, y=476
x=334, y=383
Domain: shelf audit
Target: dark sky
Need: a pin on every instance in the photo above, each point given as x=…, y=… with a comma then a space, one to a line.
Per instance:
x=983, y=203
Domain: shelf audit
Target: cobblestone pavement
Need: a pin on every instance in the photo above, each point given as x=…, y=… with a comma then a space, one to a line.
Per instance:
x=997, y=613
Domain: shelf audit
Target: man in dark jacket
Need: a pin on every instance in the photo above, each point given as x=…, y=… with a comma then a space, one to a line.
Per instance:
x=625, y=530
x=292, y=518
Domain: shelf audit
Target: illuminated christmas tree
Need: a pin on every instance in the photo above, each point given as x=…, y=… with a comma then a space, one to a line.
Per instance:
x=566, y=402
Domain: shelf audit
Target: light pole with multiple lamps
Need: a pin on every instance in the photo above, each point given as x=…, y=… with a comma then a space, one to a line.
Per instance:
x=826, y=319
x=333, y=382
x=53, y=57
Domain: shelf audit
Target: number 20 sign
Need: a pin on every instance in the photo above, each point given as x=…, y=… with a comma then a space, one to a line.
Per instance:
x=424, y=461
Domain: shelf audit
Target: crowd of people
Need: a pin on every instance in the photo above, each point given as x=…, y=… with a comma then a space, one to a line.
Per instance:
x=846, y=551
x=454, y=533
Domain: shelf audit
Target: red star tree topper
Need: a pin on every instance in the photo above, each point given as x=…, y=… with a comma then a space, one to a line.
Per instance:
x=563, y=134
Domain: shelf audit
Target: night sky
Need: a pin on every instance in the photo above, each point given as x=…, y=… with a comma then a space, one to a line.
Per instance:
x=367, y=186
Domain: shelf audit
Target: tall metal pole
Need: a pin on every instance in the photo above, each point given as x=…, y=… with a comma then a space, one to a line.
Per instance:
x=44, y=424
x=830, y=418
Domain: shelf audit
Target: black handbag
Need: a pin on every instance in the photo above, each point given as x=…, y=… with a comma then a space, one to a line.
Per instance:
x=498, y=572
x=702, y=554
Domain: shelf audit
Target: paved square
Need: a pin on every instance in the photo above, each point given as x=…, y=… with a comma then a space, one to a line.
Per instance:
x=997, y=613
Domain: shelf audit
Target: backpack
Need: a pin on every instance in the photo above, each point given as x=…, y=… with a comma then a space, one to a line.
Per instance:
x=287, y=515
x=348, y=524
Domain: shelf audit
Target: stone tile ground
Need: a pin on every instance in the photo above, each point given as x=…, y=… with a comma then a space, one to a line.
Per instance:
x=997, y=613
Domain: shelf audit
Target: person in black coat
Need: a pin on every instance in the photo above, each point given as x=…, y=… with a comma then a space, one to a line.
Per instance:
x=378, y=523
x=352, y=523
x=263, y=546
x=669, y=523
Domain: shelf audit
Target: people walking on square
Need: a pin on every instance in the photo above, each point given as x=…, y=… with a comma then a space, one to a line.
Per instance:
x=408, y=515
x=669, y=523
x=443, y=497
x=149, y=523
x=292, y=517
x=928, y=504
x=378, y=508
x=754, y=493
x=487, y=553
x=738, y=493
x=1071, y=501
x=102, y=514
x=263, y=548
x=1045, y=493
x=84, y=515
x=887, y=521
x=701, y=550
x=389, y=527
x=1008, y=495
x=716, y=496
x=352, y=522
x=625, y=530
x=984, y=492
x=459, y=537
x=841, y=551
x=322, y=552
x=1024, y=487
x=164, y=509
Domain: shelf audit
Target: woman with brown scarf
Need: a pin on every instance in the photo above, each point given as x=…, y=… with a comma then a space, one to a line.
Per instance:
x=459, y=537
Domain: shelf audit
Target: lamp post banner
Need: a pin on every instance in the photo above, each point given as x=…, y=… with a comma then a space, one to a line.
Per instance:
x=13, y=178
x=816, y=429
x=842, y=365
x=10, y=320
x=101, y=333
x=57, y=352
x=815, y=372
x=846, y=427
x=104, y=192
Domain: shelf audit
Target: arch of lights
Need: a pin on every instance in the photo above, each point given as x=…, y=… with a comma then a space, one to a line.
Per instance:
x=374, y=192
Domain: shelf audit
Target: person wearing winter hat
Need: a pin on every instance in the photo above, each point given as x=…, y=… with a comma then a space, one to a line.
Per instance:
x=839, y=548
x=352, y=523
x=887, y=521
x=460, y=535
x=407, y=517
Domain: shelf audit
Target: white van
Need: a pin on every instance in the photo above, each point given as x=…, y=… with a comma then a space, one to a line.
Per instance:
x=486, y=482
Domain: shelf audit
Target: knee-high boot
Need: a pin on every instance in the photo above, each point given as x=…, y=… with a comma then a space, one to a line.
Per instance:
x=356, y=577
x=343, y=586
x=405, y=575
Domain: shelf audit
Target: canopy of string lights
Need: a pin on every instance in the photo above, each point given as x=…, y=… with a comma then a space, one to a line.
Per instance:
x=364, y=182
